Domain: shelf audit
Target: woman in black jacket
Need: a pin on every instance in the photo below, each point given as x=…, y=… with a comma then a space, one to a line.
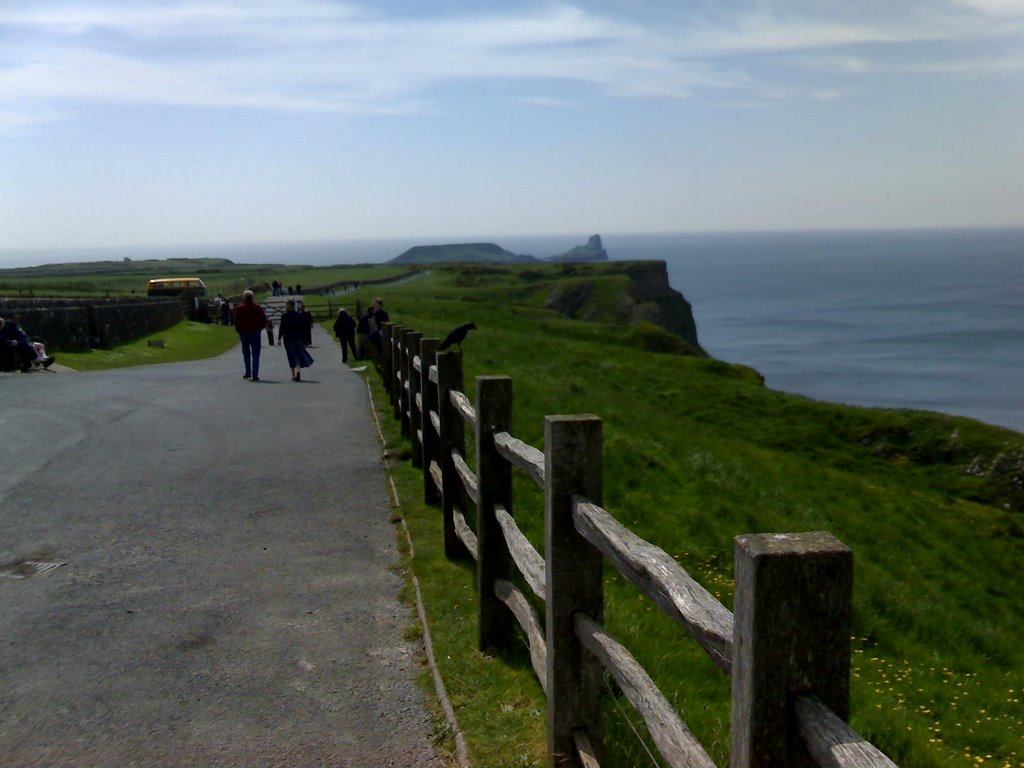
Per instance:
x=291, y=333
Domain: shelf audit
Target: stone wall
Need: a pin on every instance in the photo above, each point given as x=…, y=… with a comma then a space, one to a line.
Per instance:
x=75, y=325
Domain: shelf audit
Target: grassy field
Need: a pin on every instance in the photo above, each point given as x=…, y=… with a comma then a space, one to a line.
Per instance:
x=698, y=451
x=129, y=278
x=184, y=341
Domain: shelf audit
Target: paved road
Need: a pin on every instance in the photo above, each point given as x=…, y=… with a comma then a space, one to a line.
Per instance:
x=228, y=597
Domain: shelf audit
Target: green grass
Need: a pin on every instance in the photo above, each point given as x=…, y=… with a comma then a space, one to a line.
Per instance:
x=129, y=278
x=697, y=452
x=184, y=341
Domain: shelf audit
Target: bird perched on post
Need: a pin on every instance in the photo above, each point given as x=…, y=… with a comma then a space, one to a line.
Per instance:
x=456, y=336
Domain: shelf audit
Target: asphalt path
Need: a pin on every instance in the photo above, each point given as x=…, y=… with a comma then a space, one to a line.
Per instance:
x=229, y=593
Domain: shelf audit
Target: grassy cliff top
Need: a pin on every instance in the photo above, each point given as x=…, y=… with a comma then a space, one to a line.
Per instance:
x=698, y=451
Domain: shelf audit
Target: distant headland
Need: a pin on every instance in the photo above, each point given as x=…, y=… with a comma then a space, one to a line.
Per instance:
x=491, y=253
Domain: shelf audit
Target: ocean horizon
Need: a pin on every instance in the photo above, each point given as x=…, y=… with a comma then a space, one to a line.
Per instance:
x=924, y=319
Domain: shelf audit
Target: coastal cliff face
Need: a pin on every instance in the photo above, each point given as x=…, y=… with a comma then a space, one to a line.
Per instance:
x=647, y=298
x=670, y=309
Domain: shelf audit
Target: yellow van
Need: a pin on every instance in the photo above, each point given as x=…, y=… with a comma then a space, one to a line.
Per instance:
x=176, y=286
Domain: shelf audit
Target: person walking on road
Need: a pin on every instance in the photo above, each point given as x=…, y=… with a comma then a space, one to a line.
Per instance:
x=345, y=330
x=291, y=333
x=307, y=319
x=250, y=320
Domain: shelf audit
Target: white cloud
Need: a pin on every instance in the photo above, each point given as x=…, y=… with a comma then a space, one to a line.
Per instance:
x=765, y=34
x=16, y=120
x=997, y=8
x=545, y=101
x=314, y=55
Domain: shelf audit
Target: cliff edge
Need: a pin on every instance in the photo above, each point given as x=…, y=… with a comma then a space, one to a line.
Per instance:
x=645, y=297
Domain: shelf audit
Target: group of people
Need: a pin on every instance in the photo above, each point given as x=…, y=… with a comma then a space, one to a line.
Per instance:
x=278, y=289
x=360, y=335
x=223, y=310
x=18, y=351
x=295, y=333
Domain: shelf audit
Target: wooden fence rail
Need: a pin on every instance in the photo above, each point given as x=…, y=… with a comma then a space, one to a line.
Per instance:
x=786, y=647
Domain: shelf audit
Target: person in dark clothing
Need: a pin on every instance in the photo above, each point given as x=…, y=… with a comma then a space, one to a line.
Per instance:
x=270, y=332
x=291, y=333
x=24, y=350
x=250, y=320
x=345, y=330
x=363, y=335
x=307, y=319
x=378, y=316
x=18, y=351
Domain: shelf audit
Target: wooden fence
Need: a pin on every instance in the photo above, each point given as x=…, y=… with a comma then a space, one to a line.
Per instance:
x=786, y=647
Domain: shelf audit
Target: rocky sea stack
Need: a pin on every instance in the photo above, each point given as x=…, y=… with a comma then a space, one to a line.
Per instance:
x=592, y=250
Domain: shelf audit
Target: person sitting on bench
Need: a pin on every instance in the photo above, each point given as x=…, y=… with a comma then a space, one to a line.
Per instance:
x=26, y=351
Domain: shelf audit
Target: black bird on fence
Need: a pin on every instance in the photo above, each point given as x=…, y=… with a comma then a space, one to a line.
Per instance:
x=456, y=336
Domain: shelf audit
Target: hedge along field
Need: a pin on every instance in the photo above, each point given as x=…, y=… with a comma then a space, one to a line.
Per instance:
x=698, y=451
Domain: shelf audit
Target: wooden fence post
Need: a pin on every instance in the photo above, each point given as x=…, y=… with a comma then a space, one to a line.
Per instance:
x=428, y=354
x=572, y=463
x=382, y=361
x=415, y=388
x=452, y=438
x=404, y=388
x=791, y=635
x=361, y=350
x=393, y=354
x=494, y=486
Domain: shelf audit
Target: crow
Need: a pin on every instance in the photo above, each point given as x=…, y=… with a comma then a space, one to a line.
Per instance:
x=456, y=336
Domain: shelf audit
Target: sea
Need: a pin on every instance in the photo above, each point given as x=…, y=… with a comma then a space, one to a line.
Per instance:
x=924, y=319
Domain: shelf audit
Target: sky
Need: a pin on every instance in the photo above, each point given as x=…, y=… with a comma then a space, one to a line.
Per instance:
x=218, y=121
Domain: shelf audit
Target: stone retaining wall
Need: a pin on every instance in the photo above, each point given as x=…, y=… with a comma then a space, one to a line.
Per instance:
x=75, y=325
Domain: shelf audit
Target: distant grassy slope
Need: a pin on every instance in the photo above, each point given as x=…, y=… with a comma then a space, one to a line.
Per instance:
x=483, y=253
x=698, y=451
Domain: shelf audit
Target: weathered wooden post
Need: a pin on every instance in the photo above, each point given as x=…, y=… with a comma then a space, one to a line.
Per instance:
x=361, y=349
x=791, y=635
x=494, y=486
x=573, y=466
x=452, y=438
x=404, y=390
x=382, y=360
x=393, y=353
x=415, y=391
x=431, y=438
